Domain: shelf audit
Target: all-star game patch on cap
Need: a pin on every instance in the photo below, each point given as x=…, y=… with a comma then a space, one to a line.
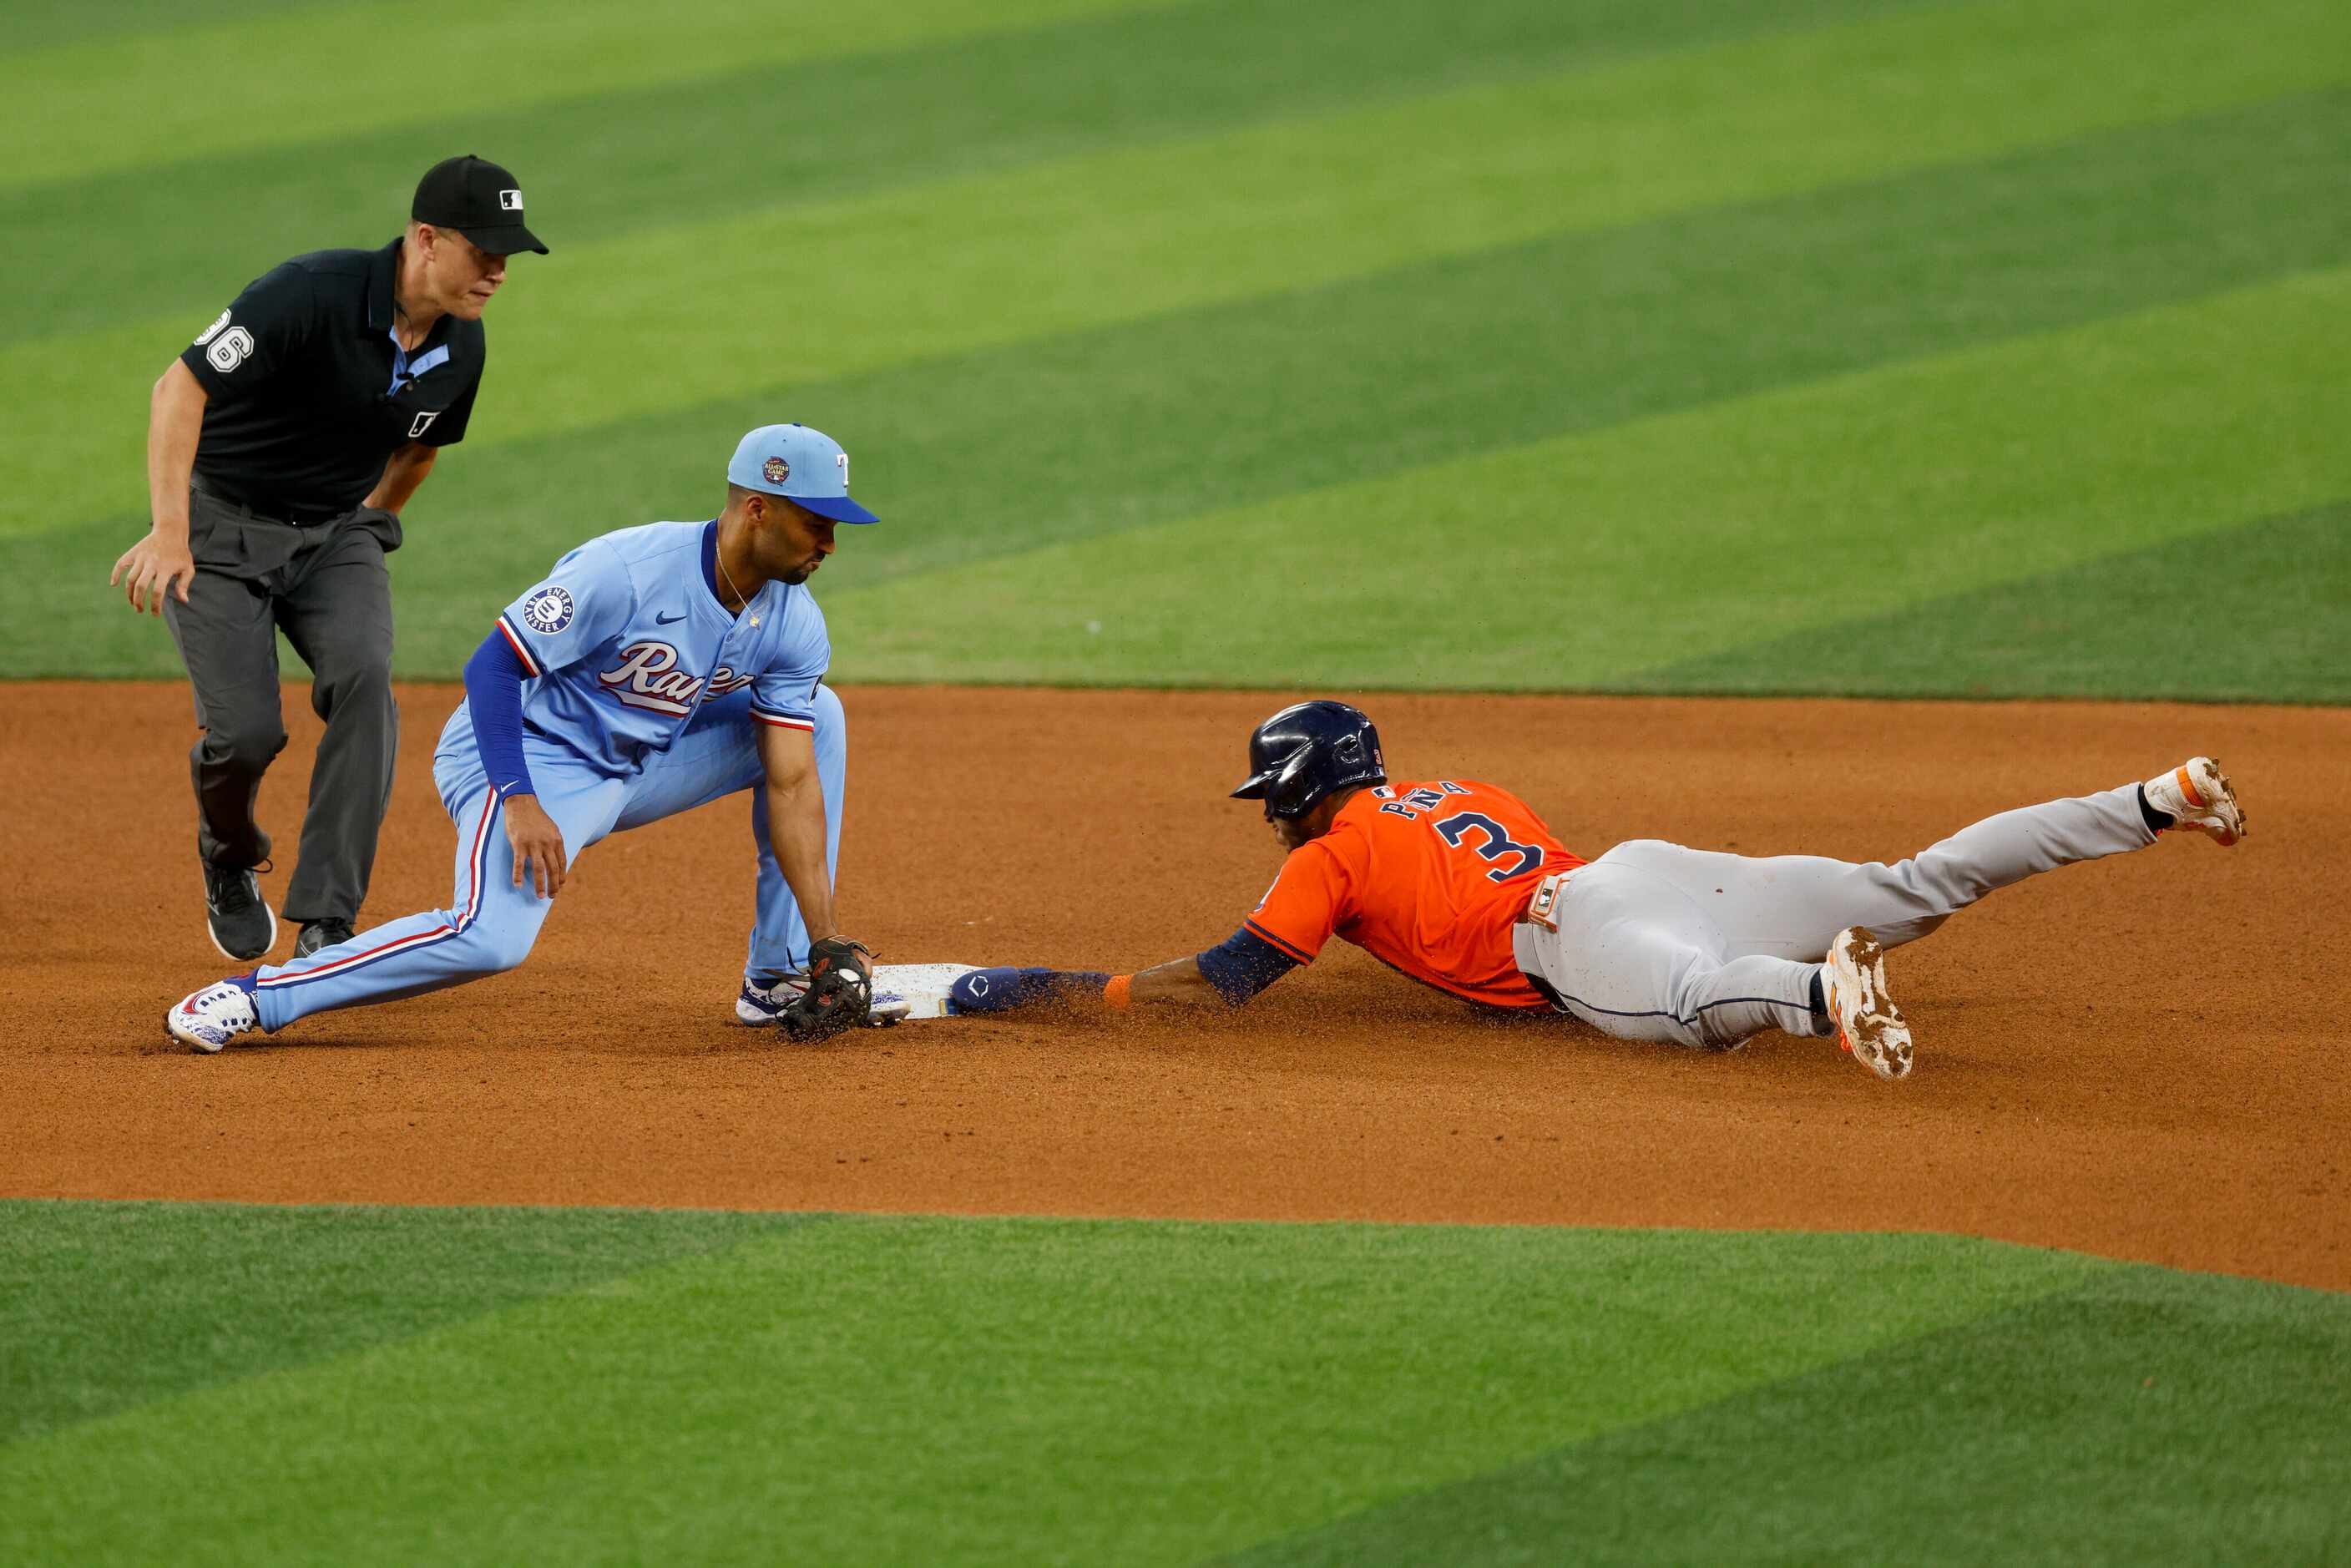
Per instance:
x=479, y=199
x=805, y=466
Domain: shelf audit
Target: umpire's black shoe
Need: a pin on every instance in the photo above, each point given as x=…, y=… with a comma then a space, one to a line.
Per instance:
x=239, y=919
x=318, y=934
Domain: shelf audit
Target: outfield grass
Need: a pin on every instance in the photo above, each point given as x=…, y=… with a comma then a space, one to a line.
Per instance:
x=220, y=1382
x=1789, y=511
x=1703, y=346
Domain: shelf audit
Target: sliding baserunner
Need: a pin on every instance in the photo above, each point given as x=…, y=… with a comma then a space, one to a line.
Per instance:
x=1460, y=885
x=654, y=669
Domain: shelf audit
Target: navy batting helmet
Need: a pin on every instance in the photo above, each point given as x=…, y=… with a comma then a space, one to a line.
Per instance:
x=1303, y=753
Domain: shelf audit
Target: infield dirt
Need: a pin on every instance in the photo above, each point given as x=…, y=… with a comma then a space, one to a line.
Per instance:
x=2142, y=1057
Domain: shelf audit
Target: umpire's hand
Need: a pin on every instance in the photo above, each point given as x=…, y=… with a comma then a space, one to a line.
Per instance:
x=538, y=844
x=158, y=565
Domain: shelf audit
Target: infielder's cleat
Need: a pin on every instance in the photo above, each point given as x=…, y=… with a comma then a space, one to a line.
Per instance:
x=235, y=913
x=2198, y=797
x=760, y=1004
x=1868, y=1023
x=318, y=934
x=208, y=1019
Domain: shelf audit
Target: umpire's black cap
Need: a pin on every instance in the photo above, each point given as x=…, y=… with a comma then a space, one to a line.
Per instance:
x=479, y=199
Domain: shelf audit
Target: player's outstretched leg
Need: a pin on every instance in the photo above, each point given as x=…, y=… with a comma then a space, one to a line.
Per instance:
x=1791, y=907
x=442, y=943
x=488, y=928
x=1840, y=916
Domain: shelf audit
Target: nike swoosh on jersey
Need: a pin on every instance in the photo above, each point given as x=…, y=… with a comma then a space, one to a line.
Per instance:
x=665, y=619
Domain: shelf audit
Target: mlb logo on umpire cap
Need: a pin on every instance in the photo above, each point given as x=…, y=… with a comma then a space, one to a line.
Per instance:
x=479, y=199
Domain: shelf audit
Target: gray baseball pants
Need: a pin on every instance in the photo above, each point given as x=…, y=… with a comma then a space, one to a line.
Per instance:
x=1655, y=941
x=326, y=587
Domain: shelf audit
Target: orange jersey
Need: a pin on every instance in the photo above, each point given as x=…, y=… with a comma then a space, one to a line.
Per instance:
x=1428, y=878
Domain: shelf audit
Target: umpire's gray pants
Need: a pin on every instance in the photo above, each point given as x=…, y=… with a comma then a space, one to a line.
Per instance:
x=326, y=587
x=1659, y=942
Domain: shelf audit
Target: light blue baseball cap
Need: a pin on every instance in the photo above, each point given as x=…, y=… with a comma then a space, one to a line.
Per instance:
x=805, y=466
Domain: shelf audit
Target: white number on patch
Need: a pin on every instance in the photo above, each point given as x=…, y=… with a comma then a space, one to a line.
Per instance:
x=214, y=330
x=230, y=349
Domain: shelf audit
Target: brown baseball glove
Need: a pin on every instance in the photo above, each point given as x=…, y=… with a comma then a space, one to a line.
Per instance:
x=840, y=994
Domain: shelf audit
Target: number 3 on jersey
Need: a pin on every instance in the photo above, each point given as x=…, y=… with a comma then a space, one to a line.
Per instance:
x=1498, y=845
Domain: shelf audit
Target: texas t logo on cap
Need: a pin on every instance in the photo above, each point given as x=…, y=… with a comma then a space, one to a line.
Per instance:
x=806, y=467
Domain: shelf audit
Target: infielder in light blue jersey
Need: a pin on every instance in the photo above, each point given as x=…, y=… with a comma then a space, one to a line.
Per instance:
x=654, y=669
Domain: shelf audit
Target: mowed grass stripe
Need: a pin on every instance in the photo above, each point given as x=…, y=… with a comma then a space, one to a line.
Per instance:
x=100, y=105
x=834, y=288
x=902, y=1390
x=53, y=22
x=655, y=154
x=1149, y=421
x=1153, y=422
x=1577, y=562
x=107, y=1306
x=2257, y=611
x=2144, y=1416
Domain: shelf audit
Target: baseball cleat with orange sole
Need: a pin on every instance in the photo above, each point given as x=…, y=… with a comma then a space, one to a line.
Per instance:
x=2199, y=798
x=1868, y=1023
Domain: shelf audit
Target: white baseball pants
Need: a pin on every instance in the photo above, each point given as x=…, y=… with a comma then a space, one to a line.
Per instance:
x=1655, y=941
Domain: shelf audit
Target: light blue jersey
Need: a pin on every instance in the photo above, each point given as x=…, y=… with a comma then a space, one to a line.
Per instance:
x=642, y=698
x=625, y=639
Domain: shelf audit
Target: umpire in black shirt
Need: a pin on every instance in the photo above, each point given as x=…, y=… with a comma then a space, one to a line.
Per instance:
x=280, y=449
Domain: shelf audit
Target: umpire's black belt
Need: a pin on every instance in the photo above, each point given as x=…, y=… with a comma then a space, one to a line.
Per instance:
x=265, y=510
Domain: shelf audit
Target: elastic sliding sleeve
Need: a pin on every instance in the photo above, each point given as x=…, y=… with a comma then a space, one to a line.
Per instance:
x=1242, y=965
x=1001, y=988
x=493, y=678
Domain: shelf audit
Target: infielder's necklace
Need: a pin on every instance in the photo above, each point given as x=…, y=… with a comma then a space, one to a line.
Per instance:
x=740, y=597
